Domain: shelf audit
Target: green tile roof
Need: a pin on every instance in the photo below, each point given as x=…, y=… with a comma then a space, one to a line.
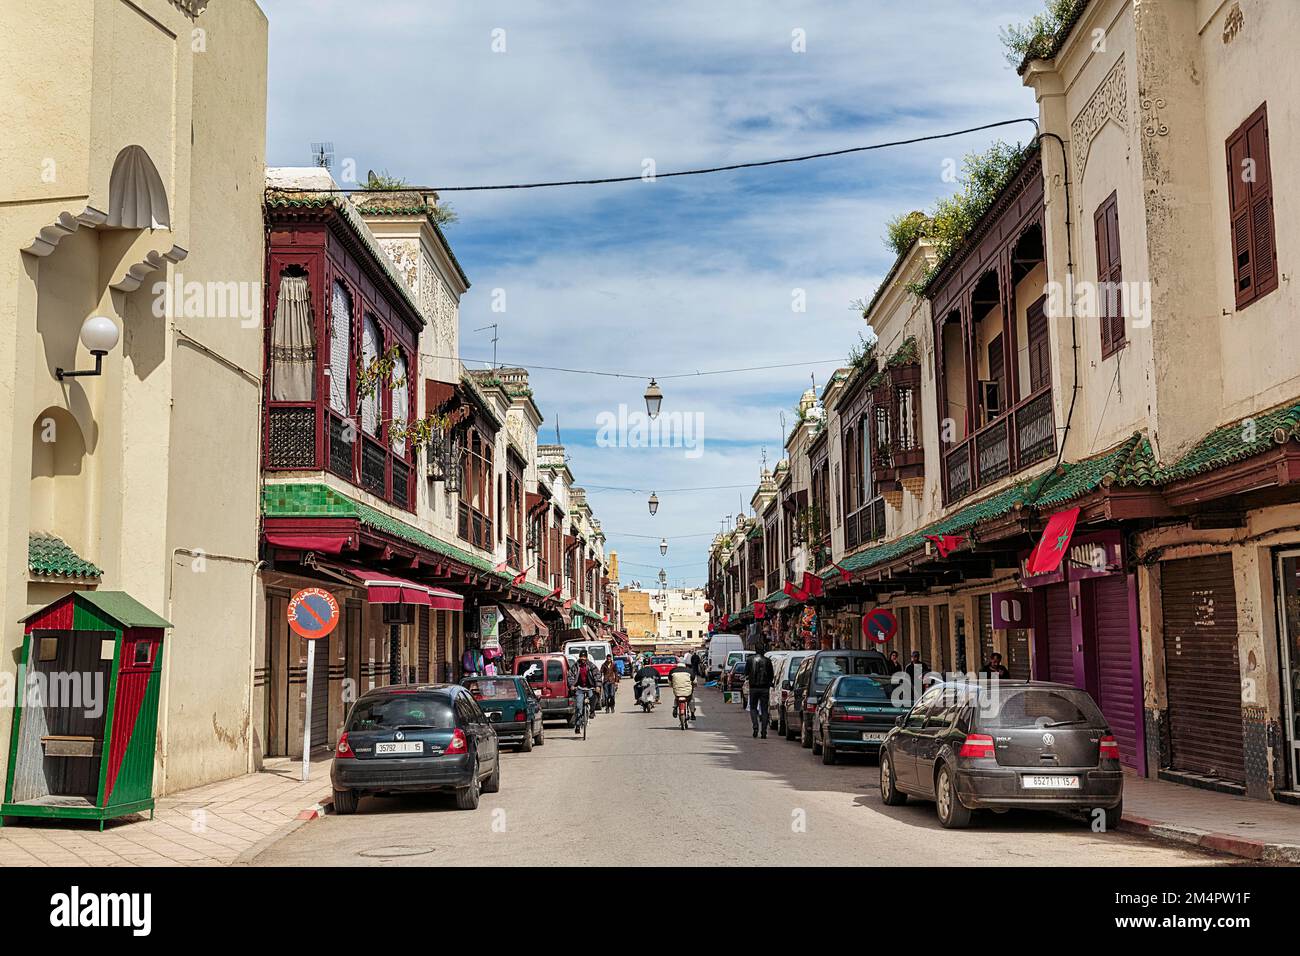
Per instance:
x=1236, y=441
x=1131, y=462
x=50, y=557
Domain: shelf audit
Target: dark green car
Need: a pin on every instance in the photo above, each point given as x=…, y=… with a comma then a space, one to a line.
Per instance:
x=856, y=713
x=512, y=707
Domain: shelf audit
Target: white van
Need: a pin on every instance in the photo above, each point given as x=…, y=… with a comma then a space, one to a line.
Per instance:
x=597, y=651
x=720, y=646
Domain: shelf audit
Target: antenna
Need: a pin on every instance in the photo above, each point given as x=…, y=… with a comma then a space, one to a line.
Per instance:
x=322, y=154
x=493, y=327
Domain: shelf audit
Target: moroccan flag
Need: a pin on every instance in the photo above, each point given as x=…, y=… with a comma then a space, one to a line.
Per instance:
x=793, y=591
x=521, y=576
x=500, y=567
x=946, y=543
x=812, y=585
x=568, y=604
x=726, y=619
x=845, y=574
x=760, y=610
x=1047, y=554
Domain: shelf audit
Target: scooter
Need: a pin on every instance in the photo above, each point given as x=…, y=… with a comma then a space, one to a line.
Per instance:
x=647, y=698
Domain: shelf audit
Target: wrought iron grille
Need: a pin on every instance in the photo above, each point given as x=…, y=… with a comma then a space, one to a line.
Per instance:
x=401, y=483
x=342, y=439
x=291, y=439
x=373, y=467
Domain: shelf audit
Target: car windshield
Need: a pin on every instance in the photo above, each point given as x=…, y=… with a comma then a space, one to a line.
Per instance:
x=863, y=688
x=391, y=711
x=486, y=689
x=830, y=666
x=1010, y=708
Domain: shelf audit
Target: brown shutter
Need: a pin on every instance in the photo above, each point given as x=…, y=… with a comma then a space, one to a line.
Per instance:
x=1254, y=248
x=1040, y=363
x=1109, y=274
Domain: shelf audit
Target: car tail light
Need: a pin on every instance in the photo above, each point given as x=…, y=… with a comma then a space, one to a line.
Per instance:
x=976, y=745
x=785, y=695
x=839, y=713
x=1109, y=748
x=810, y=707
x=344, y=749
x=459, y=744
x=521, y=715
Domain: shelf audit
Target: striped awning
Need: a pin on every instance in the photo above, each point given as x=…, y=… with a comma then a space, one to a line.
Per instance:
x=382, y=588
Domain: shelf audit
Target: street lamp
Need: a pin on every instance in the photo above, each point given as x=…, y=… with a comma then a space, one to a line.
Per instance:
x=99, y=334
x=654, y=504
x=654, y=398
x=663, y=545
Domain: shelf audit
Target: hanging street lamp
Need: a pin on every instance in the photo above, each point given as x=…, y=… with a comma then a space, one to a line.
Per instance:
x=663, y=545
x=654, y=398
x=654, y=504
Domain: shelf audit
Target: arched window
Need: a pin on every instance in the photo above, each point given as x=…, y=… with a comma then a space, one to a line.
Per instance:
x=340, y=347
x=401, y=403
x=371, y=344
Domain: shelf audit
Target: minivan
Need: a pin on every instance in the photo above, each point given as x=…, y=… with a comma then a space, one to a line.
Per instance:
x=597, y=651
x=720, y=648
x=548, y=675
x=815, y=674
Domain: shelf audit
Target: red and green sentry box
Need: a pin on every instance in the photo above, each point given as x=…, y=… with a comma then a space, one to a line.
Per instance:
x=86, y=712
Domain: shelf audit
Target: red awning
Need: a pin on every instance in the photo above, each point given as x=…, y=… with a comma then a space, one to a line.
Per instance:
x=534, y=501
x=303, y=541
x=384, y=588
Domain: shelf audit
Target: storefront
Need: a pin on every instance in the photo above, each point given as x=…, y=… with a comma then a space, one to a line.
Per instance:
x=1084, y=624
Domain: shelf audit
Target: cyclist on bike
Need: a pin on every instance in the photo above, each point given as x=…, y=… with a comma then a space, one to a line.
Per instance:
x=682, y=680
x=584, y=681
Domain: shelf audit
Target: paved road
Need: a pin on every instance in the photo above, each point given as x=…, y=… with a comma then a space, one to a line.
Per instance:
x=640, y=791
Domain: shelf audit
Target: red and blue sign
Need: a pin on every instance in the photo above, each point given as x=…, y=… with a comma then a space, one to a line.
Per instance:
x=880, y=625
x=313, y=613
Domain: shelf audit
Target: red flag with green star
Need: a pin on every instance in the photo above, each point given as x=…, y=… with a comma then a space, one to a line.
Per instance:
x=1047, y=554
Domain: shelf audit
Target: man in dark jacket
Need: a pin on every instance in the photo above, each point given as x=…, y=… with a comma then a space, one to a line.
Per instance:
x=584, y=683
x=760, y=683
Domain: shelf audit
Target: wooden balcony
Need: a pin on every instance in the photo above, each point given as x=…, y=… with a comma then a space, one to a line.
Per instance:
x=865, y=525
x=1026, y=434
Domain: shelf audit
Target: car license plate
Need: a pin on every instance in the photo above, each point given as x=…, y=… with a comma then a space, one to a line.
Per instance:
x=399, y=747
x=1050, y=782
x=875, y=736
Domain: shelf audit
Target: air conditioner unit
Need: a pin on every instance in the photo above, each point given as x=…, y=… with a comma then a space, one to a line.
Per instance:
x=399, y=613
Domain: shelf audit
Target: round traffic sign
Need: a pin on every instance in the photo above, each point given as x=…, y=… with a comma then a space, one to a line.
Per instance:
x=880, y=625
x=313, y=613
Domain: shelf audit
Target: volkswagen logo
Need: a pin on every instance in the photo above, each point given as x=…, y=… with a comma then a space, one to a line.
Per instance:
x=1048, y=740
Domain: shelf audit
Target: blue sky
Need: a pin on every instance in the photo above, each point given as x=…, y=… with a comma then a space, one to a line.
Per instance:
x=661, y=278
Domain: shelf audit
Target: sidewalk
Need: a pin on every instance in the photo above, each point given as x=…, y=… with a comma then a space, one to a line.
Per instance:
x=212, y=825
x=1254, y=829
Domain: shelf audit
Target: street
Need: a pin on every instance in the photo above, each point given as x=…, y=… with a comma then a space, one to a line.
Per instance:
x=641, y=792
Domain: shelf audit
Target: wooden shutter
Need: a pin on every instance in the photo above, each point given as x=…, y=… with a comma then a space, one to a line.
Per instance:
x=1109, y=275
x=1040, y=361
x=1254, y=249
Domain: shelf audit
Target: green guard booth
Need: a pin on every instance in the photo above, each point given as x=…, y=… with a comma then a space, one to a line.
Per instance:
x=86, y=709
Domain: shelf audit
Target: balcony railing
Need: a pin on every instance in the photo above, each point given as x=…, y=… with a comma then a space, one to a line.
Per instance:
x=865, y=525
x=1016, y=440
x=512, y=553
x=773, y=580
x=474, y=527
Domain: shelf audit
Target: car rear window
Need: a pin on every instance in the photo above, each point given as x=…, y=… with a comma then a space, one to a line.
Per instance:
x=864, y=688
x=554, y=671
x=596, y=652
x=664, y=659
x=389, y=712
x=488, y=689
x=1010, y=708
x=831, y=666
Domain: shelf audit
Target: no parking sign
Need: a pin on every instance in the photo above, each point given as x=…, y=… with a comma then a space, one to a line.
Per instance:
x=880, y=625
x=313, y=614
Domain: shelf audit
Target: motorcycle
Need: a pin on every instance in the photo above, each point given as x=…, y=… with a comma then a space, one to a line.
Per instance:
x=647, y=694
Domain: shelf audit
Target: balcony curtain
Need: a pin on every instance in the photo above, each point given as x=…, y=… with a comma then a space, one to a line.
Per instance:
x=340, y=348
x=369, y=352
x=293, y=343
x=401, y=403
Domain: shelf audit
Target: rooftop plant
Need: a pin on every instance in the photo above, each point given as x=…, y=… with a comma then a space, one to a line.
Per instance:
x=1038, y=38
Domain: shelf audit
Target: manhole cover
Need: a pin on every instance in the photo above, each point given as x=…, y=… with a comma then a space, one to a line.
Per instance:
x=389, y=852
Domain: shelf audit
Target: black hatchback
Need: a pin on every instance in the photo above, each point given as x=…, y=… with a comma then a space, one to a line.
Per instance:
x=1003, y=744
x=416, y=737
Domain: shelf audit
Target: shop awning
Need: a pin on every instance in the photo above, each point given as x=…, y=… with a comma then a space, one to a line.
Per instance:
x=527, y=622
x=541, y=629
x=322, y=542
x=384, y=588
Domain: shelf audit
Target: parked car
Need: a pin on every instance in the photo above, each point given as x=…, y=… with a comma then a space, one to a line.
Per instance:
x=721, y=647
x=1019, y=744
x=855, y=714
x=549, y=675
x=597, y=651
x=415, y=737
x=513, y=708
x=733, y=678
x=663, y=665
x=781, y=695
x=813, y=677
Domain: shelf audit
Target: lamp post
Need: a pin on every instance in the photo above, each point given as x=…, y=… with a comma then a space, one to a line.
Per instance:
x=654, y=399
x=653, y=503
x=98, y=334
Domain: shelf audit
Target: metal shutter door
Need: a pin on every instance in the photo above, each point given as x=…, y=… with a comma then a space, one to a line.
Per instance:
x=1202, y=678
x=1060, y=640
x=986, y=628
x=320, y=694
x=422, y=667
x=903, y=640
x=1113, y=644
x=923, y=628
x=1018, y=653
x=941, y=644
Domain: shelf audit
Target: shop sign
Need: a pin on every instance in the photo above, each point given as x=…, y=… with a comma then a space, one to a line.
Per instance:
x=489, y=626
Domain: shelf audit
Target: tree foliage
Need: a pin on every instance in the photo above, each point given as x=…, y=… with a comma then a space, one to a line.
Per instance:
x=1036, y=39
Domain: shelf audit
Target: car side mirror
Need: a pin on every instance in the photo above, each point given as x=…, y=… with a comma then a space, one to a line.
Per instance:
x=900, y=720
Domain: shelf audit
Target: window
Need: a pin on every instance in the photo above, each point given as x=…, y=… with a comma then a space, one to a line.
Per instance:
x=475, y=521
x=371, y=346
x=1040, y=359
x=1250, y=208
x=401, y=404
x=1110, y=300
x=340, y=333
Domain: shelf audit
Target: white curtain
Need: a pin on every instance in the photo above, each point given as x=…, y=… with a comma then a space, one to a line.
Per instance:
x=401, y=412
x=369, y=352
x=293, y=343
x=340, y=348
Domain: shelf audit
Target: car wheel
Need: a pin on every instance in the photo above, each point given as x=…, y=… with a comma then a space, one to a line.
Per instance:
x=890, y=795
x=1113, y=816
x=527, y=745
x=493, y=783
x=828, y=752
x=782, y=729
x=541, y=736
x=952, y=815
x=570, y=720
x=805, y=734
x=467, y=797
x=345, y=801
x=816, y=741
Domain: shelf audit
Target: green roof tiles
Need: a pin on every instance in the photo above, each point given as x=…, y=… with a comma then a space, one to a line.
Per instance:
x=50, y=557
x=1236, y=441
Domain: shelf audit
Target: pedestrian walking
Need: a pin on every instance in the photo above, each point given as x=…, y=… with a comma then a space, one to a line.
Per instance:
x=609, y=681
x=760, y=683
x=995, y=667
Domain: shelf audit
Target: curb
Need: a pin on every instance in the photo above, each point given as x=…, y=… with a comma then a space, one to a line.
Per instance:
x=318, y=810
x=1242, y=847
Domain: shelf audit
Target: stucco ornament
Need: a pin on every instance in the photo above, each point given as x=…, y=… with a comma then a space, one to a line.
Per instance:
x=1233, y=23
x=405, y=256
x=1108, y=103
x=1153, y=125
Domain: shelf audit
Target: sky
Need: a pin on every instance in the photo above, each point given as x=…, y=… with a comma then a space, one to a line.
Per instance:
x=668, y=277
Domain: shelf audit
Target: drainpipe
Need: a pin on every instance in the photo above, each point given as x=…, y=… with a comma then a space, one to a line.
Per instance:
x=1069, y=284
x=252, y=653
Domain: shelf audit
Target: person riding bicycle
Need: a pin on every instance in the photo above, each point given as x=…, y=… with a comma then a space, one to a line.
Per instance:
x=682, y=681
x=584, y=681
